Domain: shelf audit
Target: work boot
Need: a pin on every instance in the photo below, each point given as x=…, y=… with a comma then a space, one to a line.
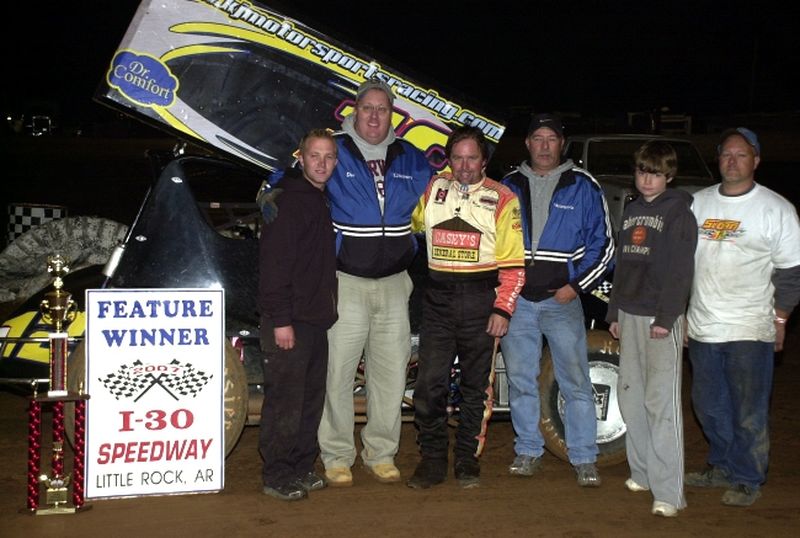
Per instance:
x=386, y=473
x=740, y=495
x=710, y=477
x=467, y=472
x=587, y=475
x=428, y=473
x=339, y=477
x=524, y=465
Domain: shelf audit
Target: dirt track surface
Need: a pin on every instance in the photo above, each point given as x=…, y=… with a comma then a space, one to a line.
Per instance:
x=549, y=504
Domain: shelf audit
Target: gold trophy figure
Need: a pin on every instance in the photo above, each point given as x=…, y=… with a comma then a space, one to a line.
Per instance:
x=58, y=309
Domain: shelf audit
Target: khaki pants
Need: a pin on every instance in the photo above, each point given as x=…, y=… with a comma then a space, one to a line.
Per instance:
x=373, y=321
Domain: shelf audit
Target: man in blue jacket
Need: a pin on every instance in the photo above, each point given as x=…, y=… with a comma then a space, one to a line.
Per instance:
x=568, y=250
x=373, y=190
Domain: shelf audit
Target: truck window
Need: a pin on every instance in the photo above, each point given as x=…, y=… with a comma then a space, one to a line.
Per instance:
x=575, y=152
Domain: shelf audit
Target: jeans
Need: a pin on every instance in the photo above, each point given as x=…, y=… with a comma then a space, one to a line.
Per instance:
x=731, y=385
x=562, y=326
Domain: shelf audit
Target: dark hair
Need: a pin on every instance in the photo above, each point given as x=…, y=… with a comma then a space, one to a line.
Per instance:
x=317, y=133
x=463, y=133
x=657, y=157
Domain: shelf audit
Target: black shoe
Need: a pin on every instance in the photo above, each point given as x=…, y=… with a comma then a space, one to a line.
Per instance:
x=291, y=491
x=468, y=472
x=428, y=473
x=710, y=477
x=588, y=477
x=740, y=495
x=311, y=481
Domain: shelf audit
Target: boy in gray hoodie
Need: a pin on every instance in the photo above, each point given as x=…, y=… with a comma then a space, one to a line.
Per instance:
x=653, y=276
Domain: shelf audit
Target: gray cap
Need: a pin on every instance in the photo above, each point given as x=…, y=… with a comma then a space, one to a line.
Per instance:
x=374, y=84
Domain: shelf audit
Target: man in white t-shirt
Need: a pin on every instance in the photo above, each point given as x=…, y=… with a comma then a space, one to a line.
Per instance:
x=746, y=283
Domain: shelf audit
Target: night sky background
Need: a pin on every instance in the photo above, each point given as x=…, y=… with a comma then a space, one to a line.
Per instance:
x=592, y=58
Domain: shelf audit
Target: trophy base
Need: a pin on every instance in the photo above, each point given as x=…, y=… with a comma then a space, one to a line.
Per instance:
x=56, y=510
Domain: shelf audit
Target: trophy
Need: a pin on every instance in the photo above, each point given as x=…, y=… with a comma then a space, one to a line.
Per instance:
x=58, y=309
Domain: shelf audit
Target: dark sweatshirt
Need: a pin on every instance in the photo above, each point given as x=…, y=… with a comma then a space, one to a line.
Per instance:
x=655, y=258
x=297, y=260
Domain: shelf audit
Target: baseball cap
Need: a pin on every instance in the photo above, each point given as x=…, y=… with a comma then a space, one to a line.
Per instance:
x=551, y=121
x=745, y=133
x=374, y=84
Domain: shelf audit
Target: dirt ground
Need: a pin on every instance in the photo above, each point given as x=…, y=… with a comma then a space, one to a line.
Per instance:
x=549, y=504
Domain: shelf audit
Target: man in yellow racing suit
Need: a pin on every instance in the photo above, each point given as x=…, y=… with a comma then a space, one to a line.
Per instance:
x=476, y=272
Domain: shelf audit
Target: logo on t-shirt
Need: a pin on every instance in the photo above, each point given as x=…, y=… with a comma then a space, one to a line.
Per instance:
x=720, y=230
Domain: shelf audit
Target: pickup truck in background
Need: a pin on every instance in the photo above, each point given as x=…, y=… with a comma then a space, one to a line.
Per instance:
x=609, y=158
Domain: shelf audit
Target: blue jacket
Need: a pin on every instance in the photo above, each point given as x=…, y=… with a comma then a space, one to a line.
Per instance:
x=368, y=243
x=576, y=246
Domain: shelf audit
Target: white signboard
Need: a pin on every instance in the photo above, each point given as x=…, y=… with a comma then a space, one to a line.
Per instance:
x=154, y=372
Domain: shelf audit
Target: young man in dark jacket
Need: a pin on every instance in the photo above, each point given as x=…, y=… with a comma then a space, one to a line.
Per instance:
x=297, y=300
x=653, y=276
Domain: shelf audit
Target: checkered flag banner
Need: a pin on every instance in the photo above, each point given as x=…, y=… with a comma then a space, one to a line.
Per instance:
x=602, y=291
x=188, y=382
x=125, y=384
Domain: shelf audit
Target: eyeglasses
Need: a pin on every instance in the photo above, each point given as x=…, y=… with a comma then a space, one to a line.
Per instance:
x=370, y=109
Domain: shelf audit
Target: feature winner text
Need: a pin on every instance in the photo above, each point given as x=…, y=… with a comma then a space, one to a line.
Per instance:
x=150, y=309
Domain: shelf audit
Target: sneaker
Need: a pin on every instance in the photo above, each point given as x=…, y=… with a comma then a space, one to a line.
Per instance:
x=587, y=475
x=740, y=495
x=634, y=486
x=385, y=473
x=660, y=508
x=710, y=477
x=312, y=481
x=524, y=465
x=467, y=472
x=339, y=477
x=428, y=473
x=291, y=491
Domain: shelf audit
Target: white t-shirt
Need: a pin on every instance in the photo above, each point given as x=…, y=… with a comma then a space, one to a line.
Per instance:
x=741, y=240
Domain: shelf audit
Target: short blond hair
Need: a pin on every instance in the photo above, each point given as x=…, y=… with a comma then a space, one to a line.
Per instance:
x=317, y=133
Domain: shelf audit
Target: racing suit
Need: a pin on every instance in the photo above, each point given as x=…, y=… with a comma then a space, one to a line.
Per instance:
x=474, y=240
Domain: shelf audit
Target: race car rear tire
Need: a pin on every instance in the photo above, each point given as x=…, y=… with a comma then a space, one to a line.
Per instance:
x=82, y=241
x=603, y=353
x=235, y=393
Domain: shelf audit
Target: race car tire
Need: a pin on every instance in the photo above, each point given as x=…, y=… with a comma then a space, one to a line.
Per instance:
x=603, y=353
x=235, y=393
x=82, y=241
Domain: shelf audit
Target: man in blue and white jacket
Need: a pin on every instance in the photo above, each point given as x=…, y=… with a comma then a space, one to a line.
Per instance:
x=568, y=249
x=375, y=187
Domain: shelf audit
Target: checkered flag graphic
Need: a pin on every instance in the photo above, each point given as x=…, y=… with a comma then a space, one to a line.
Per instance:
x=602, y=291
x=189, y=382
x=124, y=384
